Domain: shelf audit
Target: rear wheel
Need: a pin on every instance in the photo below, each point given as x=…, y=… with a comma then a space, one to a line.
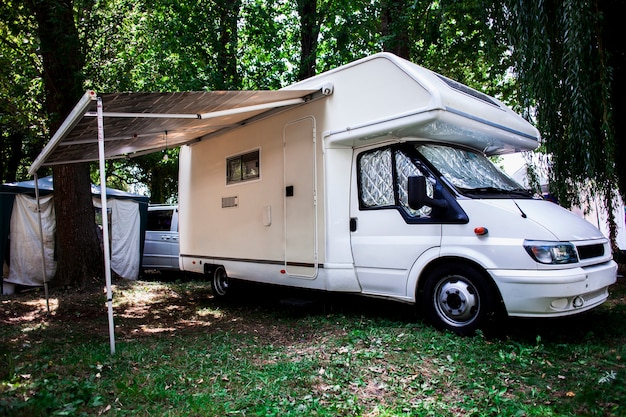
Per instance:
x=457, y=298
x=220, y=283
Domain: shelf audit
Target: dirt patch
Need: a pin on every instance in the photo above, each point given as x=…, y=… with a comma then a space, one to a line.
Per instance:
x=145, y=308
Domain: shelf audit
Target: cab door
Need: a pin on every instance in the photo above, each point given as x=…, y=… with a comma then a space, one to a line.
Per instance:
x=387, y=236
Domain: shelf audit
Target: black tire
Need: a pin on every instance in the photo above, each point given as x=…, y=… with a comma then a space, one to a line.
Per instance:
x=221, y=284
x=457, y=298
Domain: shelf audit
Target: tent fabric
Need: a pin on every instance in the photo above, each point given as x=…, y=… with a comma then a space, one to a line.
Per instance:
x=137, y=123
x=25, y=268
x=125, y=237
x=128, y=244
x=125, y=233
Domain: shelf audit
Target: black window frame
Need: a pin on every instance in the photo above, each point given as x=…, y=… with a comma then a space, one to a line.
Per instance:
x=454, y=215
x=243, y=160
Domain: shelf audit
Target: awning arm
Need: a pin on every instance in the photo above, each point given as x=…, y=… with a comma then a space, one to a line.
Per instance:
x=144, y=115
x=209, y=115
x=247, y=109
x=70, y=122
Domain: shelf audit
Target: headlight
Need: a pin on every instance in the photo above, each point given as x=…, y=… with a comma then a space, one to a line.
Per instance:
x=551, y=252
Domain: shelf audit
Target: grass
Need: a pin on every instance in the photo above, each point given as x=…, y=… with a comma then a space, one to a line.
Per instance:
x=180, y=352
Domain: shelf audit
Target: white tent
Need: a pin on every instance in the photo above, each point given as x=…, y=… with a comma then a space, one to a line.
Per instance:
x=21, y=213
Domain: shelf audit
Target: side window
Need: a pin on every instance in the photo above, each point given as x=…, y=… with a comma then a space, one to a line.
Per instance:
x=159, y=220
x=243, y=167
x=376, y=179
x=383, y=181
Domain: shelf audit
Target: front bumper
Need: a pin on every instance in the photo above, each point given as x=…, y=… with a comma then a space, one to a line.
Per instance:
x=554, y=293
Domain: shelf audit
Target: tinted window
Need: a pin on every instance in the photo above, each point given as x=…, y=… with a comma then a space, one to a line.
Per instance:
x=160, y=220
x=242, y=167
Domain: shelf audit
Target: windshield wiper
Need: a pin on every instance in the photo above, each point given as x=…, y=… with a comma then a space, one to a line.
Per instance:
x=495, y=190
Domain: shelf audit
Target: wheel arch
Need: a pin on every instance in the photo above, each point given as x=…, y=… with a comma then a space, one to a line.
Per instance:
x=209, y=269
x=462, y=262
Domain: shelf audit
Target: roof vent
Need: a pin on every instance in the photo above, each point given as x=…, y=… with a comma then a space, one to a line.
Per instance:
x=470, y=91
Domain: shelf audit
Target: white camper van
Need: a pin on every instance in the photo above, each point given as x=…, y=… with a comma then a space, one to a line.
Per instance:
x=380, y=185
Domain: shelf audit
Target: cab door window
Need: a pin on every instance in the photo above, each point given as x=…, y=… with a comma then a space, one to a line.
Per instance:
x=383, y=181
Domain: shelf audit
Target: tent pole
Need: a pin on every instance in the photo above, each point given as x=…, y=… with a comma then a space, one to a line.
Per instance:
x=43, y=252
x=105, y=224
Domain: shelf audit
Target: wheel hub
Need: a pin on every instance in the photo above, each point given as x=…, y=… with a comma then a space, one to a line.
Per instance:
x=457, y=301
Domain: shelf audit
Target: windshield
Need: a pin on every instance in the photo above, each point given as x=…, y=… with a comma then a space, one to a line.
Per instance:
x=469, y=171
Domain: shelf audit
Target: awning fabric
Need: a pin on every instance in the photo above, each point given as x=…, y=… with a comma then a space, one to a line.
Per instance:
x=138, y=123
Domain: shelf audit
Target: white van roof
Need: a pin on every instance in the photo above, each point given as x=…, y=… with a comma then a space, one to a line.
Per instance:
x=432, y=107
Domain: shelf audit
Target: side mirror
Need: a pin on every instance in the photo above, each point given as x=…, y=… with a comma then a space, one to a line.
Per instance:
x=418, y=197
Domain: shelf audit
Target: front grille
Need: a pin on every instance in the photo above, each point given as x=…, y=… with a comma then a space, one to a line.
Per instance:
x=590, y=251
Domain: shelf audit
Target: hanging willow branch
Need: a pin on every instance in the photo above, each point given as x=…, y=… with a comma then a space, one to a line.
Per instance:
x=566, y=81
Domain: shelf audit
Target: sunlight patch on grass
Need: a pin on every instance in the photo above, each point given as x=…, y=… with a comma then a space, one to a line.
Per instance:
x=210, y=312
x=35, y=327
x=141, y=293
x=152, y=329
x=30, y=310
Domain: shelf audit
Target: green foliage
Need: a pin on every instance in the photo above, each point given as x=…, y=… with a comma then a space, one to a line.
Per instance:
x=565, y=84
x=349, y=31
x=207, y=44
x=21, y=93
x=158, y=46
x=267, y=44
x=169, y=46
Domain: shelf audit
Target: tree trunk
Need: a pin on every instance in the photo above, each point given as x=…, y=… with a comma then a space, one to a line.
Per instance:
x=14, y=158
x=11, y=146
x=394, y=28
x=615, y=51
x=309, y=31
x=227, y=54
x=79, y=257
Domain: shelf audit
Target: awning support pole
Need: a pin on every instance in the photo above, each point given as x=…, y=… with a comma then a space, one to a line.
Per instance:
x=105, y=224
x=41, y=242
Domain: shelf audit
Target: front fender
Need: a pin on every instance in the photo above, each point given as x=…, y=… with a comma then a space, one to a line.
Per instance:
x=468, y=254
x=416, y=270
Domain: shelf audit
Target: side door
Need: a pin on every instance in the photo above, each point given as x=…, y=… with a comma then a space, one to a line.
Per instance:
x=387, y=236
x=160, y=239
x=174, y=241
x=300, y=198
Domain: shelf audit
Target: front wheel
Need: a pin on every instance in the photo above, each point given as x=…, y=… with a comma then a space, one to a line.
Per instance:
x=457, y=298
x=220, y=283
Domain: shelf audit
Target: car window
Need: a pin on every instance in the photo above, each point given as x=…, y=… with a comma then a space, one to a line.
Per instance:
x=160, y=220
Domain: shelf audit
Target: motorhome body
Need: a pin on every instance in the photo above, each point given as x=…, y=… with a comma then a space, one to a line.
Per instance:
x=381, y=187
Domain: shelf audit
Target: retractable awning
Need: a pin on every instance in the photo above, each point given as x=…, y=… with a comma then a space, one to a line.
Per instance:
x=139, y=123
x=123, y=125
